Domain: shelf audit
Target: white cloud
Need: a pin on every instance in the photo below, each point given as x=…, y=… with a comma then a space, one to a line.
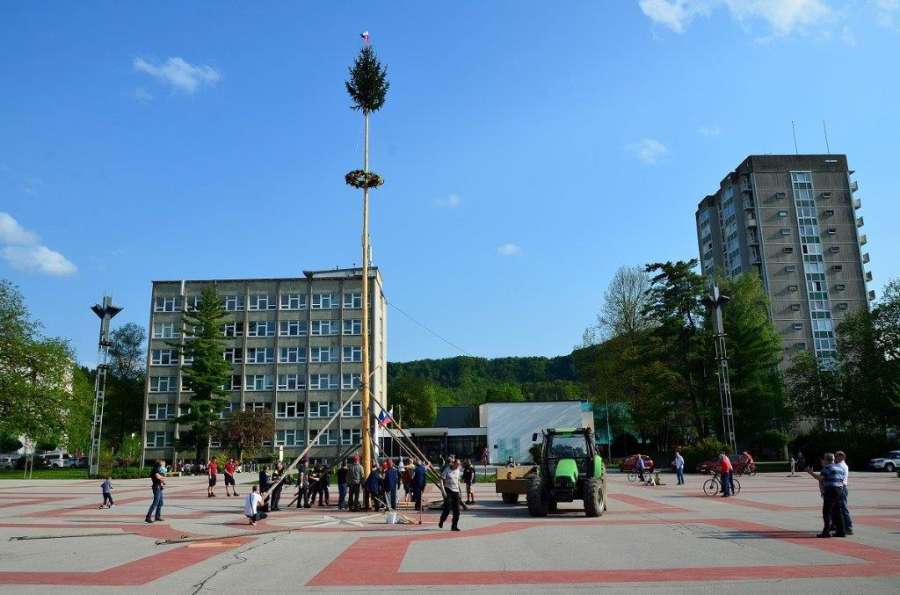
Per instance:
x=886, y=11
x=508, y=249
x=142, y=95
x=782, y=16
x=448, y=202
x=180, y=74
x=710, y=130
x=23, y=251
x=647, y=150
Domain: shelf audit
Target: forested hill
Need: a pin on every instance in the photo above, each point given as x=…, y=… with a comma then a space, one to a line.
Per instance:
x=458, y=371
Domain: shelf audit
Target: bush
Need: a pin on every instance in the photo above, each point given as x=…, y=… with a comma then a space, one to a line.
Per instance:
x=704, y=450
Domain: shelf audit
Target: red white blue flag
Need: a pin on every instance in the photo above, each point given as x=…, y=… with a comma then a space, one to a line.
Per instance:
x=386, y=417
x=365, y=36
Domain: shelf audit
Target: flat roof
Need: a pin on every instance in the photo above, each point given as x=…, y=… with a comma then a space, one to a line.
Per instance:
x=326, y=274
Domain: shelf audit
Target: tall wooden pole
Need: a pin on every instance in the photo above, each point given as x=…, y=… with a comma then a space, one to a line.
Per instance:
x=366, y=408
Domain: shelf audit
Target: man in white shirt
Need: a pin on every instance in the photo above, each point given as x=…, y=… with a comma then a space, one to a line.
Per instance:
x=679, y=467
x=450, y=478
x=251, y=506
x=840, y=459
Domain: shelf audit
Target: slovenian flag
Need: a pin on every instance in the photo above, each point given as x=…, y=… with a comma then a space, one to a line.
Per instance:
x=386, y=417
x=365, y=36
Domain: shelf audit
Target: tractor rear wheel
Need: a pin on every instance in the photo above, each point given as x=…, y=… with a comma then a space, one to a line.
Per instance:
x=538, y=502
x=510, y=498
x=594, y=497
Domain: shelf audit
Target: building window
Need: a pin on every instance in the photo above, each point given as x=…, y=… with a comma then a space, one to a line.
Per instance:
x=164, y=357
x=159, y=411
x=293, y=301
x=322, y=355
x=323, y=381
x=257, y=406
x=164, y=330
x=788, y=250
x=324, y=301
x=260, y=355
x=191, y=303
x=226, y=410
x=782, y=214
x=350, y=381
x=233, y=329
x=261, y=328
x=261, y=301
x=158, y=439
x=352, y=353
x=259, y=382
x=352, y=409
x=291, y=355
x=233, y=355
x=353, y=300
x=326, y=438
x=162, y=384
x=234, y=383
x=289, y=409
x=352, y=327
x=350, y=436
x=290, y=382
x=289, y=438
x=291, y=328
x=324, y=327
x=165, y=304
x=234, y=303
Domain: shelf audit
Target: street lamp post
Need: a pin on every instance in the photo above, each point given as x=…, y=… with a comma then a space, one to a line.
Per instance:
x=105, y=313
x=714, y=302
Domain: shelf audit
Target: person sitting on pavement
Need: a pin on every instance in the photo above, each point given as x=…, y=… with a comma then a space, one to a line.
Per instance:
x=252, y=504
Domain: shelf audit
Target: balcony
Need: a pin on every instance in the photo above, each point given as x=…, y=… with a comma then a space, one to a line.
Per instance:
x=868, y=276
x=863, y=240
x=860, y=222
x=779, y=196
x=854, y=186
x=857, y=203
x=825, y=195
x=865, y=258
x=751, y=221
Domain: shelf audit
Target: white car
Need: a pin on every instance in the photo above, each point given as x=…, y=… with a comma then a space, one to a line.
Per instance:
x=888, y=463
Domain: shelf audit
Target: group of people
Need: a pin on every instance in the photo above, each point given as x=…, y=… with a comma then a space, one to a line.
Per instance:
x=833, y=481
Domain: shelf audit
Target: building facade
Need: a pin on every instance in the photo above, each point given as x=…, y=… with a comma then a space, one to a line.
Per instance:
x=295, y=346
x=791, y=219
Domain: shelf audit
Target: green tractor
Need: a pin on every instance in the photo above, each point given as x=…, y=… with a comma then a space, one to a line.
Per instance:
x=570, y=469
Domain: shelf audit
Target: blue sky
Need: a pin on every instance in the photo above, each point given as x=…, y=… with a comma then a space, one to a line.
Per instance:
x=529, y=148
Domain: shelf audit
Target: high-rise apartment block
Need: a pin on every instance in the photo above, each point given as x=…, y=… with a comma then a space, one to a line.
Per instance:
x=295, y=347
x=791, y=219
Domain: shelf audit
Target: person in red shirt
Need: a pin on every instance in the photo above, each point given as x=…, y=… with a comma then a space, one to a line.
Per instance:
x=212, y=469
x=230, y=466
x=727, y=473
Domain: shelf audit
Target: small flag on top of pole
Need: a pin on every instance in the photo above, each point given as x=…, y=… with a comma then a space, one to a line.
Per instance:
x=365, y=37
x=386, y=417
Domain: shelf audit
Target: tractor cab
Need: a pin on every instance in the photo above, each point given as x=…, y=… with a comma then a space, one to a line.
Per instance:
x=570, y=469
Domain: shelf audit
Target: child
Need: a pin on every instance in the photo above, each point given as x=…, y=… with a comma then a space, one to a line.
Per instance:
x=106, y=487
x=251, y=506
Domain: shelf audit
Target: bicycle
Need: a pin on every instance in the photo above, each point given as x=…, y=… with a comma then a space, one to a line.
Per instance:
x=633, y=475
x=713, y=485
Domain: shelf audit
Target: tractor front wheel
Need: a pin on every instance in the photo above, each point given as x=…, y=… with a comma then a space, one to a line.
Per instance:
x=594, y=497
x=538, y=503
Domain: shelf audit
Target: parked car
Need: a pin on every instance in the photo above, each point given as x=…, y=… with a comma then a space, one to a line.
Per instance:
x=628, y=464
x=888, y=463
x=738, y=462
x=8, y=462
x=57, y=460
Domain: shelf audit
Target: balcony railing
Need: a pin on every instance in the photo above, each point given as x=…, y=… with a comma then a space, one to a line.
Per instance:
x=857, y=203
x=865, y=258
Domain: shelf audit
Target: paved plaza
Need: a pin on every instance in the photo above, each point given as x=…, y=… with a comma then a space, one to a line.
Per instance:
x=652, y=539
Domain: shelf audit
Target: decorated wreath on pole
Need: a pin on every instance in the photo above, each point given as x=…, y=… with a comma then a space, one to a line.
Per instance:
x=361, y=179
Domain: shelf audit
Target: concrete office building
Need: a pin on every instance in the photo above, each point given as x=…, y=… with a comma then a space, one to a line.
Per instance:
x=791, y=219
x=295, y=346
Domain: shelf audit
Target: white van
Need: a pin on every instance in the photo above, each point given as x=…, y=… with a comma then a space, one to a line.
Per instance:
x=8, y=461
x=58, y=459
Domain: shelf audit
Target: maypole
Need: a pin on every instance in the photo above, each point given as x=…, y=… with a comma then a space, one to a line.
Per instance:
x=367, y=87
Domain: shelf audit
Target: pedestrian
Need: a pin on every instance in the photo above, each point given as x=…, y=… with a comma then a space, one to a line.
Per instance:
x=749, y=465
x=793, y=465
x=106, y=488
x=468, y=476
x=323, y=484
x=418, y=483
x=276, y=491
x=158, y=484
x=406, y=479
x=391, y=482
x=303, y=485
x=831, y=485
x=230, y=467
x=840, y=459
x=252, y=505
x=373, y=487
x=727, y=473
x=450, y=479
x=354, y=482
x=678, y=463
x=212, y=470
x=342, y=475
x=639, y=466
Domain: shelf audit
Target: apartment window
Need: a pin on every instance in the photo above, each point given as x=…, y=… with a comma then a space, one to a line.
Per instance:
x=834, y=249
x=257, y=406
x=261, y=301
x=259, y=382
x=233, y=329
x=293, y=301
x=322, y=408
x=795, y=307
x=324, y=301
x=191, y=303
x=350, y=381
x=162, y=384
x=159, y=411
x=797, y=326
x=788, y=250
x=261, y=328
x=290, y=382
x=829, y=212
x=785, y=231
x=164, y=357
x=285, y=437
x=324, y=327
x=837, y=268
x=782, y=214
x=158, y=439
x=233, y=355
x=840, y=287
x=260, y=355
x=234, y=383
x=164, y=330
x=352, y=409
x=234, y=303
x=291, y=355
x=790, y=268
x=226, y=410
x=165, y=304
x=831, y=231
x=352, y=327
x=291, y=328
x=352, y=353
x=353, y=300
x=793, y=288
x=322, y=354
x=323, y=381
x=326, y=438
x=290, y=409
x=350, y=436
x=842, y=306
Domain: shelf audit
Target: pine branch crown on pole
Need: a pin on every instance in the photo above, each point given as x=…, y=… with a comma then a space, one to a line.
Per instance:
x=368, y=84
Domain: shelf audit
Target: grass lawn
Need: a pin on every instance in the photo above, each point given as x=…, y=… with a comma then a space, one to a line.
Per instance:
x=68, y=473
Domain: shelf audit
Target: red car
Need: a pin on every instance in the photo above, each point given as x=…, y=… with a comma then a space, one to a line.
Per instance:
x=628, y=463
x=741, y=464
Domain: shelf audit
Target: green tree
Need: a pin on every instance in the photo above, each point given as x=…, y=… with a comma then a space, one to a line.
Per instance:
x=125, y=384
x=413, y=400
x=243, y=432
x=208, y=372
x=80, y=415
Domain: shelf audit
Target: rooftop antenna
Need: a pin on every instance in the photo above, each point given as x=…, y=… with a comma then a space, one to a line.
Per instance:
x=825, y=130
x=794, y=129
